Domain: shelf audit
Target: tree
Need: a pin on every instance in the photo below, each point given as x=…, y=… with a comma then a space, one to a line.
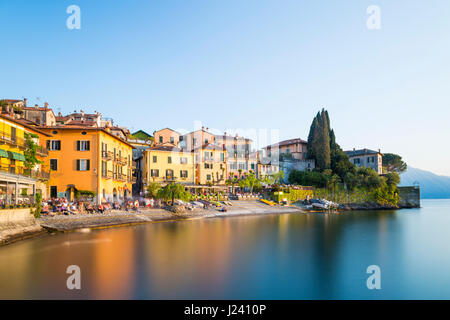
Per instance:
x=394, y=163
x=152, y=189
x=278, y=177
x=30, y=150
x=319, y=141
x=173, y=191
x=231, y=181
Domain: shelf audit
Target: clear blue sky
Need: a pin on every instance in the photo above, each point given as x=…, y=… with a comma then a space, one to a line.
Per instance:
x=250, y=64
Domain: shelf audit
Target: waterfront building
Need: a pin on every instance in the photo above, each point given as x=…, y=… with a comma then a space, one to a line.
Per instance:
x=166, y=136
x=367, y=158
x=210, y=165
x=19, y=181
x=84, y=119
x=166, y=164
x=240, y=159
x=293, y=149
x=86, y=159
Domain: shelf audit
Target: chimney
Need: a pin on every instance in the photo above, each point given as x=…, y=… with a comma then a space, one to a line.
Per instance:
x=36, y=106
x=59, y=114
x=354, y=149
x=45, y=105
x=365, y=150
x=207, y=129
x=25, y=102
x=203, y=128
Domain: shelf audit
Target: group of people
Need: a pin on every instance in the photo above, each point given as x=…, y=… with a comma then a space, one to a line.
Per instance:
x=63, y=206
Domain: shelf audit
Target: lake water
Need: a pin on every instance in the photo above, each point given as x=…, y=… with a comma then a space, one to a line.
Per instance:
x=290, y=256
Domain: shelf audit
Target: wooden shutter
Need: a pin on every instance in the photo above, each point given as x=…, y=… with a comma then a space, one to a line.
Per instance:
x=88, y=165
x=78, y=145
x=78, y=165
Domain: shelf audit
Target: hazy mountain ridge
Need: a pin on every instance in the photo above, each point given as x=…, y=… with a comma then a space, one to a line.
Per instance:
x=431, y=185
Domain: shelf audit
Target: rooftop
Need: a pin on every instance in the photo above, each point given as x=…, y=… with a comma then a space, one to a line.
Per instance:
x=361, y=152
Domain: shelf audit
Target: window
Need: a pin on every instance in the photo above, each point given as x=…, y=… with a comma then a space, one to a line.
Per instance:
x=54, y=164
x=83, y=133
x=253, y=166
x=183, y=174
x=222, y=157
x=169, y=174
x=172, y=140
x=155, y=158
x=169, y=159
x=183, y=160
x=154, y=173
x=83, y=164
x=104, y=169
x=83, y=145
x=160, y=139
x=54, y=145
x=208, y=177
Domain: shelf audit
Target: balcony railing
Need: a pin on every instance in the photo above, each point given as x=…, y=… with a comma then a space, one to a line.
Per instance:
x=42, y=151
x=29, y=173
x=15, y=141
x=107, y=174
x=107, y=155
x=121, y=160
x=122, y=177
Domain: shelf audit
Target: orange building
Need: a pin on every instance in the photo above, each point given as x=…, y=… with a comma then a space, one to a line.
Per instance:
x=92, y=159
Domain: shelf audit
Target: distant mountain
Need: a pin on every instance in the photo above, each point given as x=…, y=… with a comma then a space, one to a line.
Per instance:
x=431, y=185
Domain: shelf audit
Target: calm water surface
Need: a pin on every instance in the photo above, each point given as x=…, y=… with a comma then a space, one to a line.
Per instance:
x=292, y=256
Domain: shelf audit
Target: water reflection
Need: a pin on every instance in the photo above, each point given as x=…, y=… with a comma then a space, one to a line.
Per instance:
x=294, y=256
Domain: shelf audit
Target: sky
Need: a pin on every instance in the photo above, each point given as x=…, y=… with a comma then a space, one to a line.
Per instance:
x=256, y=67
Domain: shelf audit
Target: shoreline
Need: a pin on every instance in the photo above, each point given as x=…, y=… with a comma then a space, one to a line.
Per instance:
x=117, y=219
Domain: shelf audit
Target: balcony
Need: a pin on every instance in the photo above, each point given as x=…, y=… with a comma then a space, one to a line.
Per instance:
x=107, y=155
x=41, y=151
x=29, y=173
x=6, y=138
x=122, y=177
x=107, y=174
x=121, y=160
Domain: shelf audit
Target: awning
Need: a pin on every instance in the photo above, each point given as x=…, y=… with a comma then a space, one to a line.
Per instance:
x=4, y=153
x=16, y=156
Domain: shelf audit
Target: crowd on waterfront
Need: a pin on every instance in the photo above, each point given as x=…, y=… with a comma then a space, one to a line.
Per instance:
x=57, y=206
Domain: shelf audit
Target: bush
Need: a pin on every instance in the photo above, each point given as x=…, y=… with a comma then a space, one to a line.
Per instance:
x=37, y=212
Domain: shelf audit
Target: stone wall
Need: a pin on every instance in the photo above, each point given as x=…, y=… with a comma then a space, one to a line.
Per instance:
x=409, y=197
x=301, y=165
x=17, y=223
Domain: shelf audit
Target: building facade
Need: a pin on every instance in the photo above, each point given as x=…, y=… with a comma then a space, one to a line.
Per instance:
x=20, y=181
x=164, y=164
x=89, y=159
x=367, y=158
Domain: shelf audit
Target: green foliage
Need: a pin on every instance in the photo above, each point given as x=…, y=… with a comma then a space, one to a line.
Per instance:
x=37, y=212
x=30, y=150
x=152, y=189
x=172, y=192
x=307, y=178
x=277, y=177
x=319, y=140
x=85, y=193
x=393, y=163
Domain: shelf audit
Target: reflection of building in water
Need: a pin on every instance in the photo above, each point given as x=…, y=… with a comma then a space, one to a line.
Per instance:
x=114, y=264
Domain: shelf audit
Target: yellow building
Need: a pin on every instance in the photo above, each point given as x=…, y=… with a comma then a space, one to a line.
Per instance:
x=19, y=184
x=210, y=165
x=165, y=164
x=83, y=158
